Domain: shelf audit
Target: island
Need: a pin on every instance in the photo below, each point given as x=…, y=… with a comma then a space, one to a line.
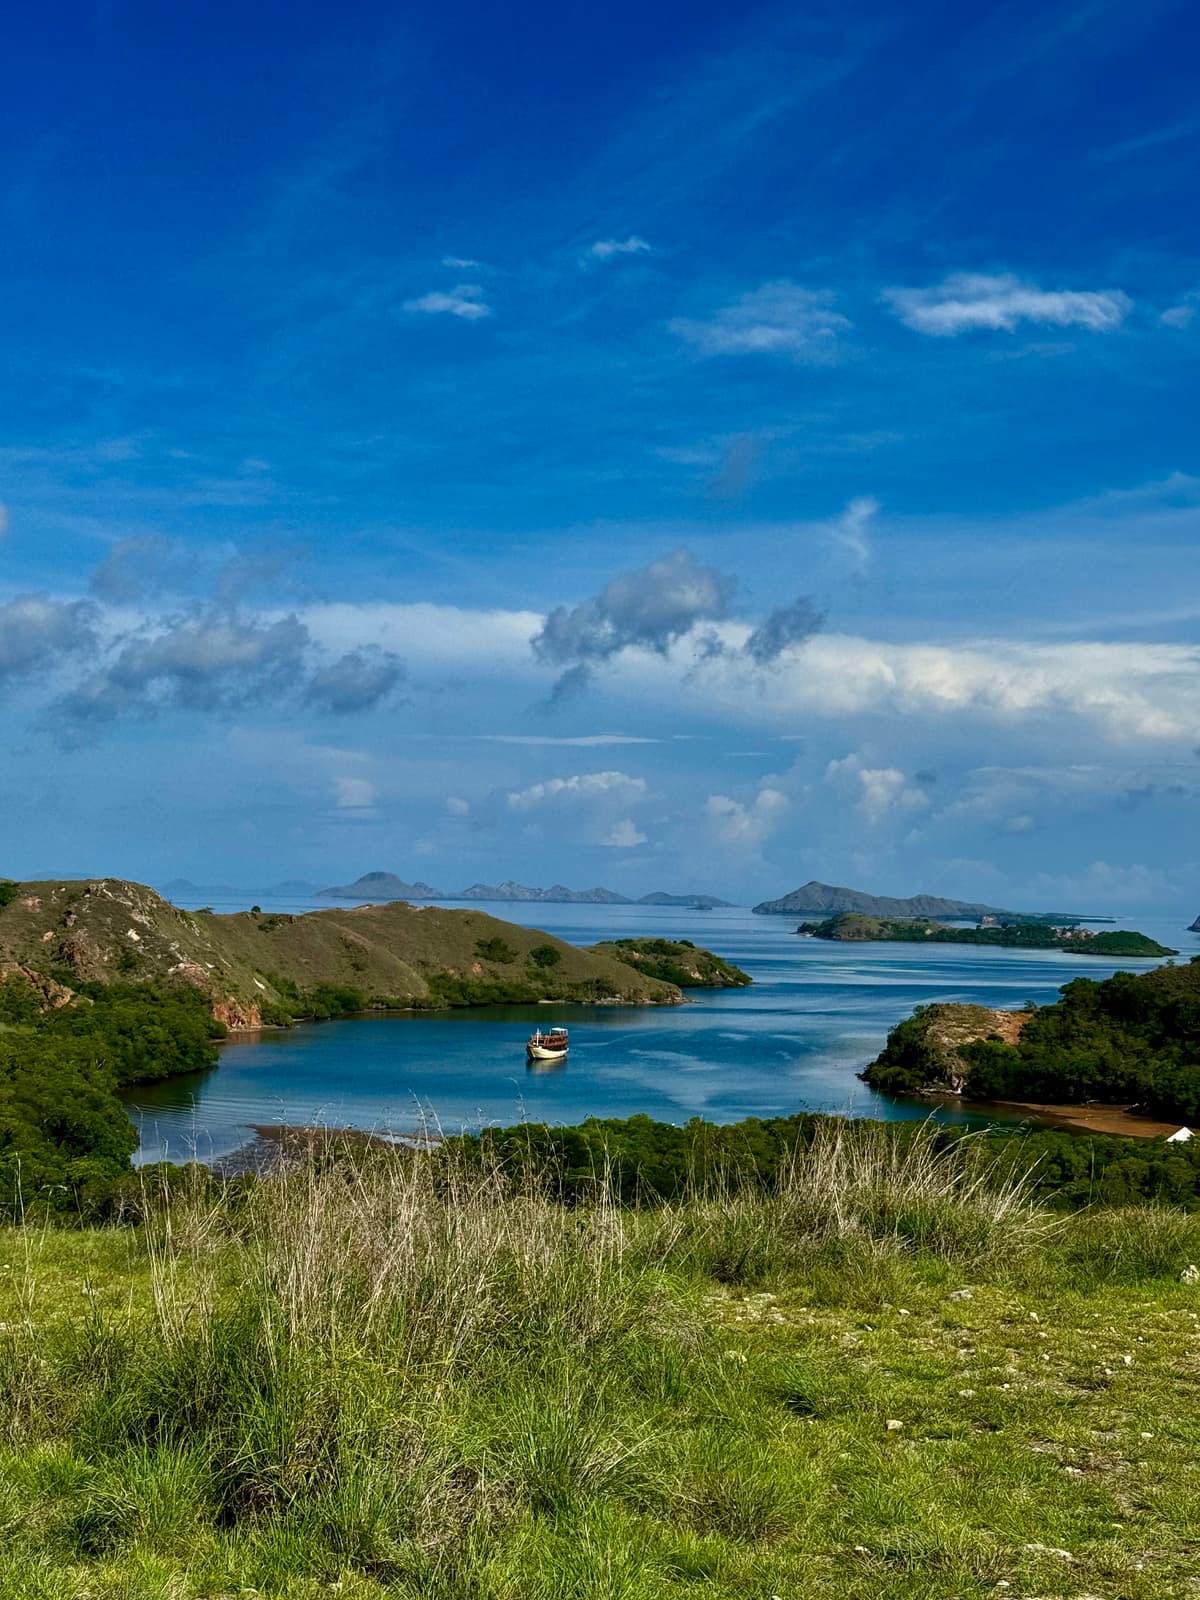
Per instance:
x=1194, y=927
x=1131, y=1040
x=676, y=961
x=825, y=900
x=852, y=926
x=387, y=886
x=62, y=938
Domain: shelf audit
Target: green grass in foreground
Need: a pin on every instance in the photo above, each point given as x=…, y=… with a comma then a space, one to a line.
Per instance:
x=407, y=1379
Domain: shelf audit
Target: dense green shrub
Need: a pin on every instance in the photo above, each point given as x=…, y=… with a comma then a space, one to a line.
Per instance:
x=496, y=949
x=545, y=955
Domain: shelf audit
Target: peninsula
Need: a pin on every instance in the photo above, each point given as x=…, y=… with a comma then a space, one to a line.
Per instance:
x=256, y=969
x=852, y=926
x=1130, y=1040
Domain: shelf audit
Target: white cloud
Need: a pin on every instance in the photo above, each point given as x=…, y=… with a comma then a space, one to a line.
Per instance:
x=354, y=794
x=780, y=318
x=465, y=300
x=849, y=533
x=1104, y=884
x=878, y=790
x=1183, y=314
x=624, y=835
x=460, y=263
x=456, y=806
x=587, y=740
x=966, y=301
x=580, y=786
x=745, y=827
x=605, y=249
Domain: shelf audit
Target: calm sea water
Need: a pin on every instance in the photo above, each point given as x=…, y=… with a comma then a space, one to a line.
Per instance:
x=794, y=1041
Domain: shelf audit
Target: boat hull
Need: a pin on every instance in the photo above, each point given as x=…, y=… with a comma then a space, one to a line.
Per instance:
x=539, y=1052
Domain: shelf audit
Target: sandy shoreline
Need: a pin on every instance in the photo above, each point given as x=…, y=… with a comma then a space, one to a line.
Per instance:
x=1100, y=1119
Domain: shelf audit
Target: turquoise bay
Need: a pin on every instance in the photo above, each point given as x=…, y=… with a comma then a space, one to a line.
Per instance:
x=794, y=1041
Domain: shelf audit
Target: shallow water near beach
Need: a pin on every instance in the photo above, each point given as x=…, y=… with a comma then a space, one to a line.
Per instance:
x=794, y=1041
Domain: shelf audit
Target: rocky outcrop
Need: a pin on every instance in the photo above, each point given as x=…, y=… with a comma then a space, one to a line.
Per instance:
x=923, y=1054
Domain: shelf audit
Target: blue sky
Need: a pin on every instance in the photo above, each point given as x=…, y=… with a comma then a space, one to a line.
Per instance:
x=677, y=446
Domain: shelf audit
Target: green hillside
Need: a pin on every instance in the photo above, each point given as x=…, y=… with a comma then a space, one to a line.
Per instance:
x=676, y=961
x=1133, y=1039
x=854, y=926
x=259, y=968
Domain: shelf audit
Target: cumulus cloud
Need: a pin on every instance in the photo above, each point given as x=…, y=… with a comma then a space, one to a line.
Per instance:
x=357, y=681
x=650, y=608
x=780, y=318
x=456, y=806
x=624, y=835
x=605, y=249
x=465, y=301
x=967, y=301
x=785, y=629
x=876, y=790
x=745, y=827
x=37, y=633
x=580, y=786
x=216, y=660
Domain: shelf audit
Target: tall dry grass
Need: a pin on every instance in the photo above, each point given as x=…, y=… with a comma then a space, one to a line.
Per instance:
x=384, y=1360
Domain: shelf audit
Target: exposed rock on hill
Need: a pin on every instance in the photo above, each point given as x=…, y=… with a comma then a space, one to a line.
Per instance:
x=259, y=968
x=923, y=1055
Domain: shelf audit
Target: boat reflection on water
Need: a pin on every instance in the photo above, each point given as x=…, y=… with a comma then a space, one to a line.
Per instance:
x=543, y=1067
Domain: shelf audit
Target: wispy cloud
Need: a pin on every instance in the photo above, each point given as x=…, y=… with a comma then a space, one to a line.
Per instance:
x=605, y=249
x=460, y=263
x=465, y=300
x=580, y=786
x=1183, y=314
x=969, y=301
x=780, y=318
x=586, y=740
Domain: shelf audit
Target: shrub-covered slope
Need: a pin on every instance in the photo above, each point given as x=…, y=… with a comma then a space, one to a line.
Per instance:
x=853, y=926
x=676, y=961
x=261, y=968
x=1132, y=1038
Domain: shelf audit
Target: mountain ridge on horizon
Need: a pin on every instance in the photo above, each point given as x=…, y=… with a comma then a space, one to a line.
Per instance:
x=509, y=892
x=831, y=899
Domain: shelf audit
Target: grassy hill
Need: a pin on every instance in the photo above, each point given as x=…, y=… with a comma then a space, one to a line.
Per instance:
x=407, y=1378
x=263, y=967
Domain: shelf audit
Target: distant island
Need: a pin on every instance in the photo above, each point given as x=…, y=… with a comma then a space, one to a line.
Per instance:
x=826, y=900
x=1194, y=927
x=853, y=926
x=387, y=886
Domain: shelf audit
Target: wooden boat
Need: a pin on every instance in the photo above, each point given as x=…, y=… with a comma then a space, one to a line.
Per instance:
x=550, y=1046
